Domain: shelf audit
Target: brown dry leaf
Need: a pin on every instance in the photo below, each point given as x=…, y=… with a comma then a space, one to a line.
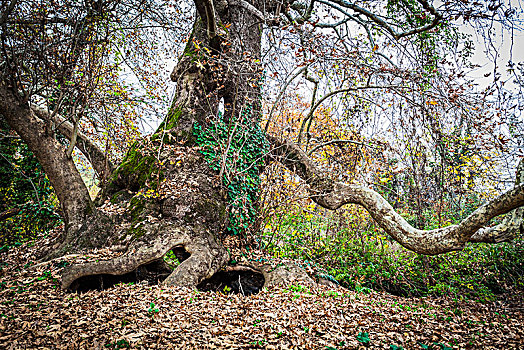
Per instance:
x=40, y=315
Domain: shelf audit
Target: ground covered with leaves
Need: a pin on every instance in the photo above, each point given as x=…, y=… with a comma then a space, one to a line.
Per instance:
x=35, y=313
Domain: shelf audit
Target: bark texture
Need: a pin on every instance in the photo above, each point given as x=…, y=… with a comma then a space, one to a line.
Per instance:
x=98, y=158
x=66, y=180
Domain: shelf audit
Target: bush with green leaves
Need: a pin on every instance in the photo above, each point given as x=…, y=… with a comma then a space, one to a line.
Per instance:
x=351, y=250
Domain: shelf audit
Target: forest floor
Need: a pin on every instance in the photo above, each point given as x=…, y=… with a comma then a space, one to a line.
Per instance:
x=36, y=313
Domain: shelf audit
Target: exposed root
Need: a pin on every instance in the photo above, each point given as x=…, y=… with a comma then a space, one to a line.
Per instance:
x=200, y=254
x=283, y=275
x=138, y=254
x=245, y=281
x=207, y=257
x=154, y=273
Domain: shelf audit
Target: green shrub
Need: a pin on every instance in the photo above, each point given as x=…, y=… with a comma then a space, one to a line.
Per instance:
x=365, y=258
x=23, y=187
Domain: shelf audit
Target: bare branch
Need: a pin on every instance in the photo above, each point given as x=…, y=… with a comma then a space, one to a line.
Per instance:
x=250, y=8
x=9, y=213
x=7, y=11
x=378, y=20
x=280, y=94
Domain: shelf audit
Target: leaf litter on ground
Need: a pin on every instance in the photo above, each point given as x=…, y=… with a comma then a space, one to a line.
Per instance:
x=36, y=313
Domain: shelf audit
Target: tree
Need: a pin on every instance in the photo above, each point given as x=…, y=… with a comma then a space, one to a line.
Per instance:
x=196, y=178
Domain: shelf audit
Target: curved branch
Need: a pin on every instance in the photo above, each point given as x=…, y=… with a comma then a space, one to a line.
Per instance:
x=318, y=103
x=98, y=158
x=249, y=8
x=279, y=96
x=333, y=194
x=354, y=19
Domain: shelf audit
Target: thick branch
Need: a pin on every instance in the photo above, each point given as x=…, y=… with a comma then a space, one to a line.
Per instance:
x=332, y=195
x=64, y=176
x=90, y=150
x=206, y=10
x=249, y=8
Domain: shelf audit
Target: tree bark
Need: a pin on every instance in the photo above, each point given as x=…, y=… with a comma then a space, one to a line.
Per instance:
x=98, y=158
x=63, y=175
x=166, y=193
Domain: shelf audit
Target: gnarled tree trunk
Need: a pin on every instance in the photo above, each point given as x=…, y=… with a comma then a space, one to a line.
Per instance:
x=166, y=193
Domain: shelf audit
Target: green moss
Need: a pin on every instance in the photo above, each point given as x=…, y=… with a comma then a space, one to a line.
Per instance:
x=173, y=117
x=134, y=172
x=118, y=197
x=169, y=131
x=136, y=207
x=137, y=232
x=170, y=122
x=144, y=168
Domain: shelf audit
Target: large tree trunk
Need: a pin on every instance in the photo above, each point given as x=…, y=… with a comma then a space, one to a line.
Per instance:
x=166, y=193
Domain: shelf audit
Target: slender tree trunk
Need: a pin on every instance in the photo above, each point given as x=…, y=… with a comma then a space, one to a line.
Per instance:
x=64, y=176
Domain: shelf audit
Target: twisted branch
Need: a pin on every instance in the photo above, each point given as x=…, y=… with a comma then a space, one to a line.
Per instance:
x=332, y=194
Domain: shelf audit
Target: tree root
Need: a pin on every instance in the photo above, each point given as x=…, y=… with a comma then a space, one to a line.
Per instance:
x=207, y=257
x=283, y=275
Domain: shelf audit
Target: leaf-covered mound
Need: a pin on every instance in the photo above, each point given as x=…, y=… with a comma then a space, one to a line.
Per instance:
x=35, y=313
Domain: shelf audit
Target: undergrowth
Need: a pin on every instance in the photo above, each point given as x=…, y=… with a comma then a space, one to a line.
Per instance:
x=358, y=255
x=25, y=191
